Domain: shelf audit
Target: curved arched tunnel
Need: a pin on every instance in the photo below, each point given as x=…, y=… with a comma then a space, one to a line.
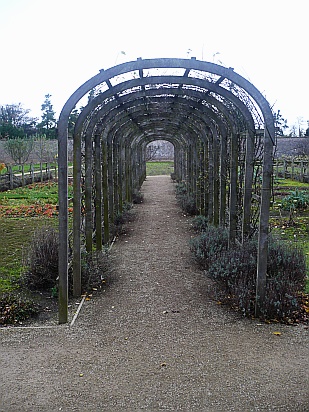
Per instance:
x=223, y=133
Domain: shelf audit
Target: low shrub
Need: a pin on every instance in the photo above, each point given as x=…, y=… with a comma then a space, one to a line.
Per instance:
x=15, y=308
x=41, y=262
x=126, y=206
x=95, y=268
x=181, y=189
x=209, y=245
x=186, y=200
x=235, y=272
x=137, y=197
x=200, y=223
x=286, y=272
x=120, y=219
x=296, y=200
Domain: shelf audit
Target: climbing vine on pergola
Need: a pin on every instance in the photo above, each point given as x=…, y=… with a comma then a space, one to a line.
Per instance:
x=212, y=116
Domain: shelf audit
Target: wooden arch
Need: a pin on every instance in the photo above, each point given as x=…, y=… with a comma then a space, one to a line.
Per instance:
x=208, y=112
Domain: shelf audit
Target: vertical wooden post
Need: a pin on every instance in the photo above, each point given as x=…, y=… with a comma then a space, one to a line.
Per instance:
x=98, y=193
x=110, y=180
x=63, y=217
x=211, y=179
x=233, y=188
x=302, y=171
x=201, y=177
x=11, y=177
x=120, y=178
x=223, y=178
x=105, y=191
x=128, y=174
x=264, y=222
x=206, y=178
x=88, y=191
x=216, y=180
x=48, y=171
x=115, y=179
x=249, y=163
x=76, y=215
x=196, y=176
x=31, y=172
x=23, y=175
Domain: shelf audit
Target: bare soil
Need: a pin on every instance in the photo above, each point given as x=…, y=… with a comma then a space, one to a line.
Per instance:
x=155, y=339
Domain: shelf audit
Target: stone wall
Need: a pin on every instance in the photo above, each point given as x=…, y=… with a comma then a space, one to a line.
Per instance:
x=163, y=150
x=49, y=152
x=292, y=146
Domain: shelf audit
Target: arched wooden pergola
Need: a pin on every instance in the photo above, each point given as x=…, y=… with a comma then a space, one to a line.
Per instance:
x=212, y=116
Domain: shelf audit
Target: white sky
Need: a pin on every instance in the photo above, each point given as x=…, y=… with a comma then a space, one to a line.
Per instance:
x=55, y=46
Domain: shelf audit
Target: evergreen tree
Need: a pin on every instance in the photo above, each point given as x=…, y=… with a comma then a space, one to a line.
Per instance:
x=72, y=120
x=48, y=123
x=280, y=123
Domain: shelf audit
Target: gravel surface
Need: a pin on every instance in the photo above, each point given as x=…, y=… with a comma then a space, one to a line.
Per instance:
x=156, y=339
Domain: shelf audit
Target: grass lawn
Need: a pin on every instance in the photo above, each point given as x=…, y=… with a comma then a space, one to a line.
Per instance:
x=16, y=233
x=159, y=168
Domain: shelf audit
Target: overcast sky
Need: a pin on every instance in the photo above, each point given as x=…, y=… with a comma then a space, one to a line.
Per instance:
x=55, y=46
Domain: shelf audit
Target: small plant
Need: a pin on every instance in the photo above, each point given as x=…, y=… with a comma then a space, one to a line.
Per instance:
x=209, y=245
x=137, y=197
x=200, y=223
x=15, y=308
x=42, y=260
x=126, y=206
x=173, y=177
x=186, y=200
x=95, y=268
x=181, y=189
x=116, y=227
x=296, y=200
x=235, y=273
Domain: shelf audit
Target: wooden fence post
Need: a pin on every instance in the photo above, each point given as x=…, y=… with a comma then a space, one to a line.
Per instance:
x=31, y=173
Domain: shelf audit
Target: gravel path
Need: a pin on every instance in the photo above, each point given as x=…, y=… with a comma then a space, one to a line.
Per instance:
x=155, y=339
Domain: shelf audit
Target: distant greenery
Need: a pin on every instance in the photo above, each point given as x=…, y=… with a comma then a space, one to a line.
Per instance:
x=159, y=168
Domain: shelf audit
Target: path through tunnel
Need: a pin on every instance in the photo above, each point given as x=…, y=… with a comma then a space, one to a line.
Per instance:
x=222, y=131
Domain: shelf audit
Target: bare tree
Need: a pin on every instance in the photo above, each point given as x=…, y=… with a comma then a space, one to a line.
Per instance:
x=19, y=149
x=45, y=149
x=151, y=151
